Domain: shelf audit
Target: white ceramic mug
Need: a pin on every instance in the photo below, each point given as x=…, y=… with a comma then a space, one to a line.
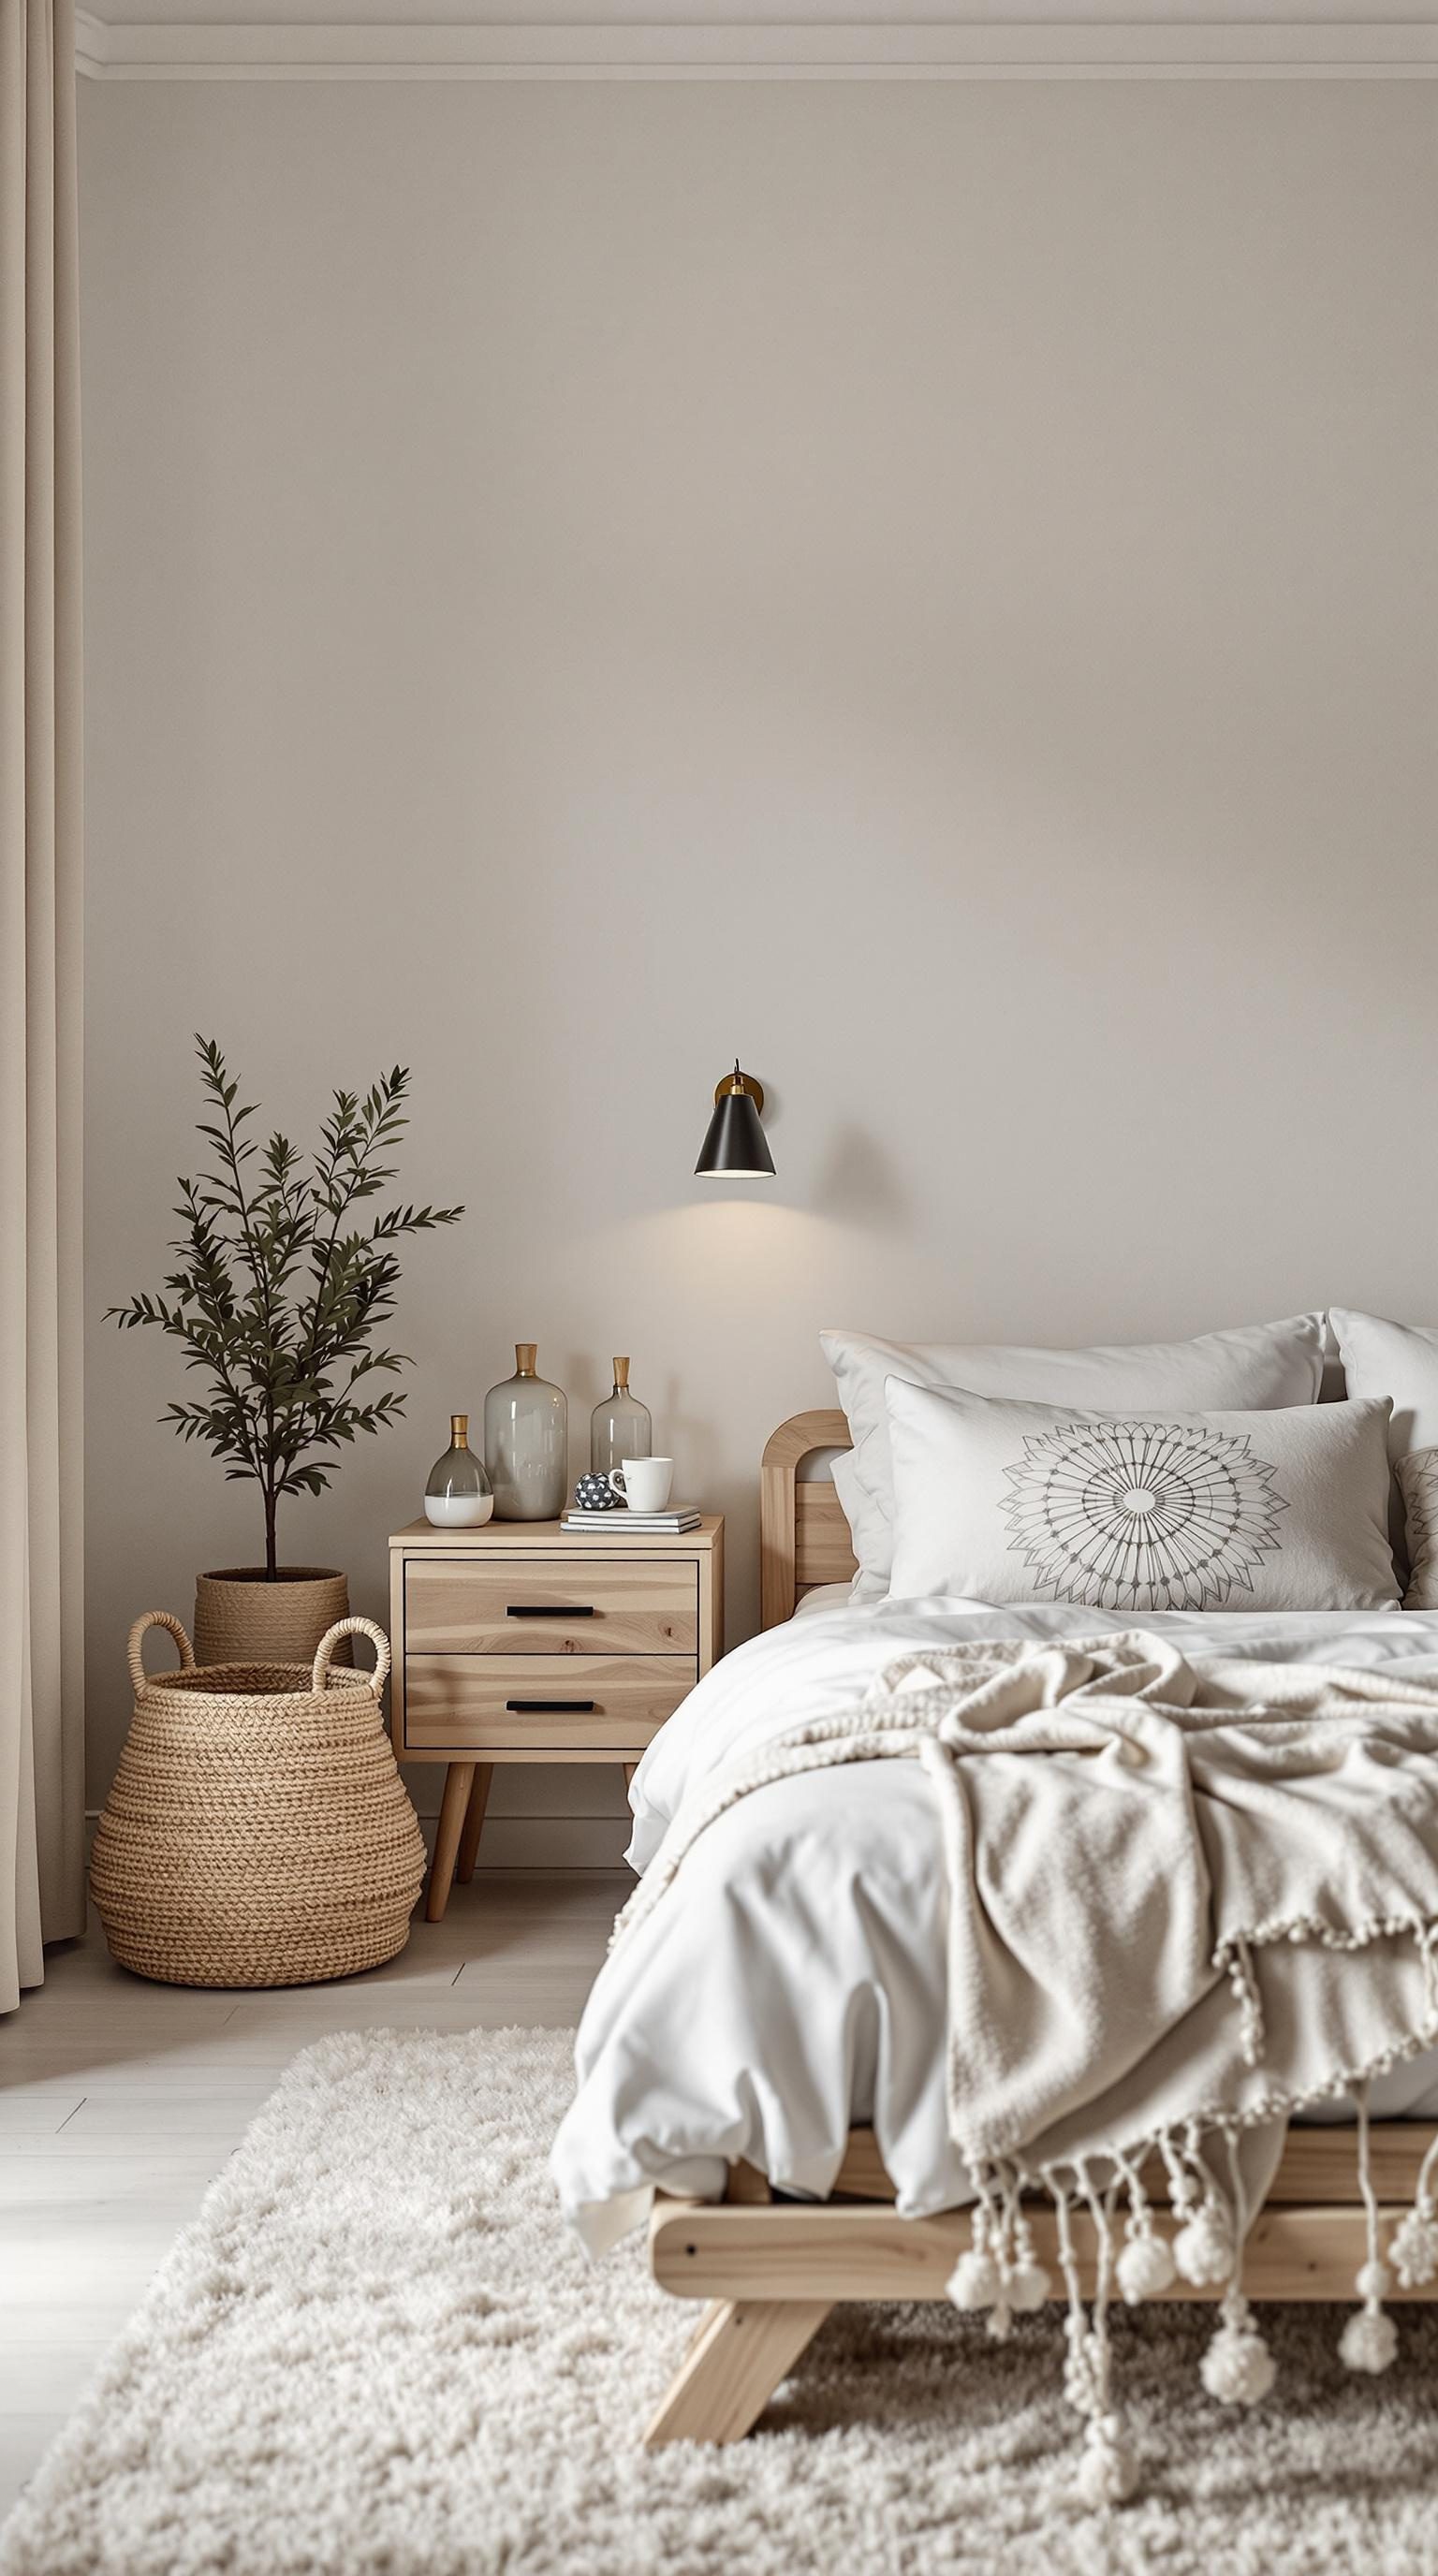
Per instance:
x=643, y=1483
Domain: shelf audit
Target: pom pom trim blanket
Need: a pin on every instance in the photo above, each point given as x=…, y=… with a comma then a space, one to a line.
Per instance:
x=1187, y=1896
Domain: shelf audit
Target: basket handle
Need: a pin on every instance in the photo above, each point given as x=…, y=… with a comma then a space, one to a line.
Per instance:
x=157, y=1619
x=353, y=1628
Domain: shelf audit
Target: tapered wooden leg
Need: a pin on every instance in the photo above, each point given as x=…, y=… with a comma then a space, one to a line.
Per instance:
x=473, y=1822
x=458, y=1782
x=629, y=1770
x=741, y=2352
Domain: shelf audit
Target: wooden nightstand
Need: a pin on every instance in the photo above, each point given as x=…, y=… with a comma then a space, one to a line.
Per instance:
x=518, y=1643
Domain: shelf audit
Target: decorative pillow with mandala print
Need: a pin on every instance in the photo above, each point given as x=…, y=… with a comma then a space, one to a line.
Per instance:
x=1132, y=1512
x=1251, y=1366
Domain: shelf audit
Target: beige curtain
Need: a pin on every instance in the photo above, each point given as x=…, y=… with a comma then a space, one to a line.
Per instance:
x=41, y=1634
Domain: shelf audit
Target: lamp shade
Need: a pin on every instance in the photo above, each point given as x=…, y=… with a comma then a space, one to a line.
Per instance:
x=734, y=1148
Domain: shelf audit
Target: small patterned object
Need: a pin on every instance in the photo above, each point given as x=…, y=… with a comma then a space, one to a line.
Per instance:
x=596, y=1494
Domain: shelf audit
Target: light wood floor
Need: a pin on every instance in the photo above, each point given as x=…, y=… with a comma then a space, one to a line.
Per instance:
x=120, y=2101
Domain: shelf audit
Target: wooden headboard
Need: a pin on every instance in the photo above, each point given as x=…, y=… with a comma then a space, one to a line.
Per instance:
x=803, y=1535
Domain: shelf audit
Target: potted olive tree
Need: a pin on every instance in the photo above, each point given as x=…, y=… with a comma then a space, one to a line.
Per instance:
x=283, y=1279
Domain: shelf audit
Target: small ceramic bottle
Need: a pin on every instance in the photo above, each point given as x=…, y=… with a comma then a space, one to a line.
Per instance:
x=458, y=1494
x=619, y=1427
x=526, y=1443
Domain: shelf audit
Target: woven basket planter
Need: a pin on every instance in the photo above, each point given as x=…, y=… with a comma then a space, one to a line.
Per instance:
x=241, y=1618
x=257, y=1832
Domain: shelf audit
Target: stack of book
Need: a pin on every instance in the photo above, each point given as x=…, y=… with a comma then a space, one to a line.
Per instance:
x=679, y=1516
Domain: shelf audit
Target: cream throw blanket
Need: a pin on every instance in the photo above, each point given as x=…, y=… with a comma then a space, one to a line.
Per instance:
x=1187, y=1896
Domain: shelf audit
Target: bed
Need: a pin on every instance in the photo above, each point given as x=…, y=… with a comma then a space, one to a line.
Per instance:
x=770, y=2209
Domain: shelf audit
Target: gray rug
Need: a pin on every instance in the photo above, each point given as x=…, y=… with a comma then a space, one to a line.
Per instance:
x=377, y=2353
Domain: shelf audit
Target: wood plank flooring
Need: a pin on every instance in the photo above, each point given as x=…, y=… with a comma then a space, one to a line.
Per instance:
x=120, y=2101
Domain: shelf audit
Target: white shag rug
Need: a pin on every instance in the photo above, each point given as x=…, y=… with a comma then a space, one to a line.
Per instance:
x=378, y=2353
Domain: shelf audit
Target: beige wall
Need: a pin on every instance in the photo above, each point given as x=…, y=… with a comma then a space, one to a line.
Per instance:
x=930, y=587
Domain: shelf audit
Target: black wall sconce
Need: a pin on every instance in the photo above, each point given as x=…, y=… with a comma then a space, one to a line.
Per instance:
x=734, y=1148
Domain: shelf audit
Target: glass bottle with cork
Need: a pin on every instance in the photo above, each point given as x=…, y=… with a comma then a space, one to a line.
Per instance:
x=526, y=1442
x=458, y=1494
x=619, y=1427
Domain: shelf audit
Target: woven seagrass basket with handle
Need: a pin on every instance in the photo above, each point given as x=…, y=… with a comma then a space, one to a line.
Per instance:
x=257, y=1832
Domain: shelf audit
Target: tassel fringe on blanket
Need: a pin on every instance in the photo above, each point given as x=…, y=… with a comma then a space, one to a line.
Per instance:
x=1240, y=1807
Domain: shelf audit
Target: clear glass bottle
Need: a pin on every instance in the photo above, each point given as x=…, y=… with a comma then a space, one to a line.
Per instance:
x=526, y=1442
x=619, y=1427
x=458, y=1494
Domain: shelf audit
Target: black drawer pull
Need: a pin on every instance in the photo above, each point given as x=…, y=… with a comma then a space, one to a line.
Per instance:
x=544, y=1610
x=580, y=1707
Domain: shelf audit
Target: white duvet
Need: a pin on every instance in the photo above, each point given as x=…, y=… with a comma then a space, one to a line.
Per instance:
x=791, y=1983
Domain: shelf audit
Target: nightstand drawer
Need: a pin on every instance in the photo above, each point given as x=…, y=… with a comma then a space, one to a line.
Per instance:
x=545, y=1606
x=587, y=1703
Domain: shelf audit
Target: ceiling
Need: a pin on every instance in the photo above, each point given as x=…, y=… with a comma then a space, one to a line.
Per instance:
x=853, y=39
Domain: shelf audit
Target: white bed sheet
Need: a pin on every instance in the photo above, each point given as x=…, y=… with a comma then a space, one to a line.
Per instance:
x=791, y=1984
x=825, y=1596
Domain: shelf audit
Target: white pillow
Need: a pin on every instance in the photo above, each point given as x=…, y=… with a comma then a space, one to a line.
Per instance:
x=1396, y=1360
x=1401, y=1362
x=1140, y=1511
x=1250, y=1369
x=866, y=1586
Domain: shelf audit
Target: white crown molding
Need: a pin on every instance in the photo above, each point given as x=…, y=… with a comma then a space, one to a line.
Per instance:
x=715, y=50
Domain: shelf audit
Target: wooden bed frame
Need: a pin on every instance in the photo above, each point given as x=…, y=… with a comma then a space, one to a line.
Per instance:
x=771, y=2270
